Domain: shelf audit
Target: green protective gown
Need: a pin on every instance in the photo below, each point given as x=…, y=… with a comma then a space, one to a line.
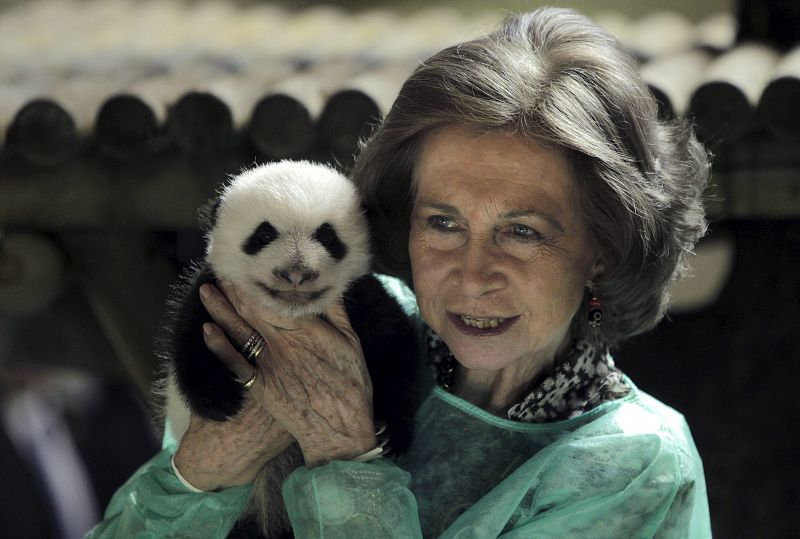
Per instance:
x=628, y=468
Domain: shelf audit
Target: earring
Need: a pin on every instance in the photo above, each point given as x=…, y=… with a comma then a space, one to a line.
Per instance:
x=595, y=308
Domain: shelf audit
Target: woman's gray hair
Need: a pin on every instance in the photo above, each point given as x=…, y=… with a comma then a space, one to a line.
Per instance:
x=556, y=77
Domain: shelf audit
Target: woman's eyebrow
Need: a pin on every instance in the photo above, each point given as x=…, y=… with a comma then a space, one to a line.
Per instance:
x=447, y=209
x=438, y=206
x=534, y=213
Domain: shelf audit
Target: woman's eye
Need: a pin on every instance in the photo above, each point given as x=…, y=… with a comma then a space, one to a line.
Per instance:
x=524, y=232
x=442, y=223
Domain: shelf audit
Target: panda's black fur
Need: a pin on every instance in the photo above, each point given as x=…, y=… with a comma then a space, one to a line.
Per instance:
x=328, y=233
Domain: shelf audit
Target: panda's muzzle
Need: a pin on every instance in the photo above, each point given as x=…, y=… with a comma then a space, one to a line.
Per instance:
x=295, y=277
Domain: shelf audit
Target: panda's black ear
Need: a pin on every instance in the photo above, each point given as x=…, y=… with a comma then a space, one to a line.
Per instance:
x=207, y=214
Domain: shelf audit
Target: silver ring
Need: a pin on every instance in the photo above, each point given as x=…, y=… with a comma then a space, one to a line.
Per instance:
x=253, y=346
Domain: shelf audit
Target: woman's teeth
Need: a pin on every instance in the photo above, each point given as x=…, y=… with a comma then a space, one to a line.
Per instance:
x=481, y=323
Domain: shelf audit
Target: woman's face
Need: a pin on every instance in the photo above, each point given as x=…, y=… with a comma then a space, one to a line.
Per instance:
x=499, y=254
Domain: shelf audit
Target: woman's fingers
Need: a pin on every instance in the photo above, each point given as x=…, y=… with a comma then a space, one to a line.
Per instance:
x=229, y=327
x=222, y=348
x=226, y=317
x=337, y=316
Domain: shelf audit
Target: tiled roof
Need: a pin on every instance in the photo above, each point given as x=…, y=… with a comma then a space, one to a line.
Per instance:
x=125, y=80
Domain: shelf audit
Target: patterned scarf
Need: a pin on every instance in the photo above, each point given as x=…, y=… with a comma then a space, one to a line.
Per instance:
x=581, y=381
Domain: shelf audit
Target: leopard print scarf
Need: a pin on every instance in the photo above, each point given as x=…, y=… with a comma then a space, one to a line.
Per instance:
x=581, y=381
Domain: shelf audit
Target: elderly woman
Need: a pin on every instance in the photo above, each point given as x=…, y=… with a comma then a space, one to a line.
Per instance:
x=525, y=189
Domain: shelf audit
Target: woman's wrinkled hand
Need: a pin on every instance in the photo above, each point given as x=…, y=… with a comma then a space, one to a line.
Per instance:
x=311, y=374
x=217, y=454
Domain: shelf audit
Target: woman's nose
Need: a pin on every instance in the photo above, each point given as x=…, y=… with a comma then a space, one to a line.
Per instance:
x=481, y=269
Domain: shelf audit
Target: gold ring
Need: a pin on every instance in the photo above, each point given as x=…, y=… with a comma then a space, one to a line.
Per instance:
x=248, y=384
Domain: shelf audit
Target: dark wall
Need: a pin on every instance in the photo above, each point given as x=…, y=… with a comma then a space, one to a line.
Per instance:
x=733, y=369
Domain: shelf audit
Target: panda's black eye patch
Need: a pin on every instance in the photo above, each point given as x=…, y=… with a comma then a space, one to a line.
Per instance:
x=327, y=237
x=263, y=235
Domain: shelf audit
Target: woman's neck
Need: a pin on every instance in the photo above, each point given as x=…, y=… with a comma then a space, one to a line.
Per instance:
x=494, y=391
x=497, y=390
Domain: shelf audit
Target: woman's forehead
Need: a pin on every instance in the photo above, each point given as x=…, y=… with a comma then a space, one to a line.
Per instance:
x=508, y=169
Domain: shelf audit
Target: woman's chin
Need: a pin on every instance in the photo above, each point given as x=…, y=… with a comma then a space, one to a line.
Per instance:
x=480, y=356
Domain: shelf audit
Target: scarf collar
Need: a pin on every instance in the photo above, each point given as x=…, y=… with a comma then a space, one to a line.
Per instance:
x=582, y=380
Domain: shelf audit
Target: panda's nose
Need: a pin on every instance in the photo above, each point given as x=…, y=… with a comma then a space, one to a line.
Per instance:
x=296, y=277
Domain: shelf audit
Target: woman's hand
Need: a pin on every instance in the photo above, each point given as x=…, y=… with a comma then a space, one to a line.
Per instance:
x=219, y=454
x=311, y=374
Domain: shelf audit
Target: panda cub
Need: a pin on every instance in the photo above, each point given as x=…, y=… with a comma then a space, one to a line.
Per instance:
x=293, y=236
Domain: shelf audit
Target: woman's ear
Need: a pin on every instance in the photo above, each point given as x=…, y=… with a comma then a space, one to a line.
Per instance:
x=598, y=267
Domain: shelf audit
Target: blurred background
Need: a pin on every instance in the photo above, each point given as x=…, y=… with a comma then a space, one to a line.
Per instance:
x=119, y=117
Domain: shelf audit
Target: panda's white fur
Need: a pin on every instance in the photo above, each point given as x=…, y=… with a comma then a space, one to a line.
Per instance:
x=296, y=197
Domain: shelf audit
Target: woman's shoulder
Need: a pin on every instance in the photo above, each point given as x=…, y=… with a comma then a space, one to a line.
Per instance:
x=634, y=460
x=640, y=431
x=643, y=415
x=630, y=469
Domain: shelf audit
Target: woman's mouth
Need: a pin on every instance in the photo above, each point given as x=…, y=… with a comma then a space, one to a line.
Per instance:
x=481, y=326
x=481, y=323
